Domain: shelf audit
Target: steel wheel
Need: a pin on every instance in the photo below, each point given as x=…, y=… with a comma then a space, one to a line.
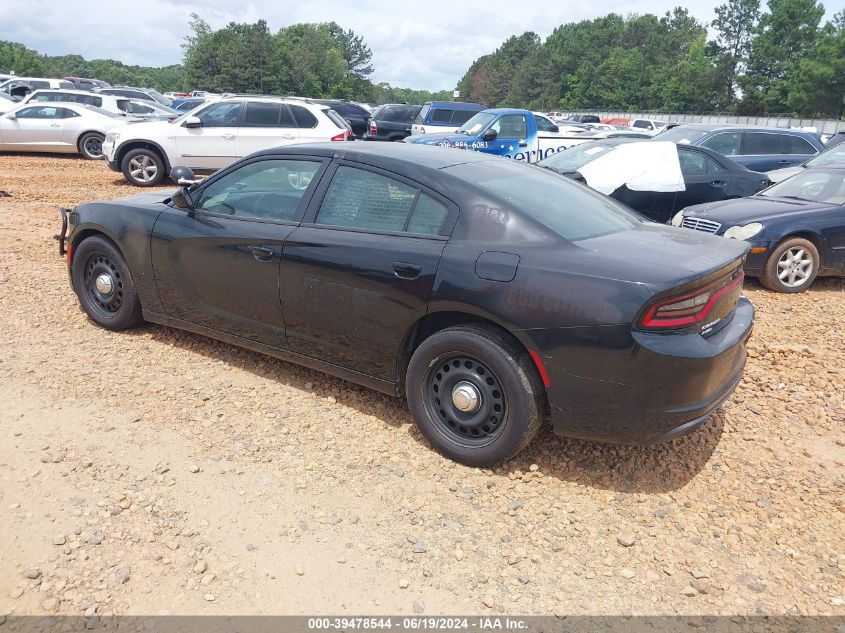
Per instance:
x=795, y=267
x=467, y=400
x=143, y=168
x=104, y=284
x=91, y=145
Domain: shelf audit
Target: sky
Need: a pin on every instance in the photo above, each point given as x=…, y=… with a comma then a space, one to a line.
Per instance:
x=425, y=45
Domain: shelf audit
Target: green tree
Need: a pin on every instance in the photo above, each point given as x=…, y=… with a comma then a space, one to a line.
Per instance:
x=357, y=54
x=818, y=86
x=786, y=34
x=735, y=23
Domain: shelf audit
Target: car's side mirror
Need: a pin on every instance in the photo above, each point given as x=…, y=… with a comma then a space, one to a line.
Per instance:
x=193, y=121
x=183, y=198
x=490, y=134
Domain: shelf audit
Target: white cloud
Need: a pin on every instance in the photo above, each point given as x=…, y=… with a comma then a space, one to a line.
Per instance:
x=417, y=45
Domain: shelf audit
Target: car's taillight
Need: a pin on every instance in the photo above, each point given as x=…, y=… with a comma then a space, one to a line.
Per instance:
x=692, y=307
x=373, y=128
x=341, y=136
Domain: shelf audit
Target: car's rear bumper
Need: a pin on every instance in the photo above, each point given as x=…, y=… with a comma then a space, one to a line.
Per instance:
x=644, y=388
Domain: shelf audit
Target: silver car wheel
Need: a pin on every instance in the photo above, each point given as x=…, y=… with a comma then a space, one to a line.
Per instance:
x=795, y=267
x=143, y=168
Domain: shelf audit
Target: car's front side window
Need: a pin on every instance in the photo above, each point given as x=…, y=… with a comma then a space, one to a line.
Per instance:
x=264, y=190
x=221, y=114
x=726, y=143
x=511, y=126
x=362, y=199
x=40, y=112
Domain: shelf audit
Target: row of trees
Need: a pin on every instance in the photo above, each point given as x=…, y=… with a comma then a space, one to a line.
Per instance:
x=777, y=61
x=314, y=60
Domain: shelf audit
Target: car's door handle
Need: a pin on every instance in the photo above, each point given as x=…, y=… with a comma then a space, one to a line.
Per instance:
x=55, y=125
x=404, y=270
x=719, y=183
x=523, y=144
x=784, y=162
x=228, y=137
x=289, y=137
x=262, y=254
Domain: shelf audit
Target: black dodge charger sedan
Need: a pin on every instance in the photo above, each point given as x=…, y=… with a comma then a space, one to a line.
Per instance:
x=795, y=229
x=491, y=293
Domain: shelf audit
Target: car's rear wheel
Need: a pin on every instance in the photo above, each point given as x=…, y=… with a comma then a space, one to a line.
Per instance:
x=474, y=394
x=792, y=266
x=143, y=167
x=104, y=285
x=91, y=145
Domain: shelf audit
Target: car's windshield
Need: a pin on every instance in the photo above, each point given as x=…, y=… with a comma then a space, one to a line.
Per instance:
x=477, y=123
x=574, y=158
x=815, y=185
x=834, y=156
x=572, y=211
x=680, y=134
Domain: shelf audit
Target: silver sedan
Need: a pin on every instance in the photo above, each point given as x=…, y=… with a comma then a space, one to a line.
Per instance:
x=71, y=128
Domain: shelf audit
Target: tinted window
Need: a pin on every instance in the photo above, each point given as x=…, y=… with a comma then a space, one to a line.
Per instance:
x=138, y=108
x=124, y=105
x=444, y=115
x=642, y=124
x=544, y=125
x=797, y=145
x=462, y=116
x=396, y=114
x=566, y=208
x=812, y=184
x=427, y=217
x=726, y=143
x=64, y=84
x=221, y=114
x=266, y=190
x=364, y=200
x=262, y=114
x=511, y=126
x=572, y=159
x=304, y=118
x=42, y=112
x=681, y=134
x=761, y=143
x=696, y=163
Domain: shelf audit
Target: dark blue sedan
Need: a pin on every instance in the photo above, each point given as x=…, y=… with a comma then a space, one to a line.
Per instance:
x=796, y=228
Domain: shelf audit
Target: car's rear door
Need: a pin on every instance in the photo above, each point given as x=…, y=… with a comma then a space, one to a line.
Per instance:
x=795, y=151
x=212, y=145
x=359, y=270
x=265, y=125
x=217, y=265
x=762, y=151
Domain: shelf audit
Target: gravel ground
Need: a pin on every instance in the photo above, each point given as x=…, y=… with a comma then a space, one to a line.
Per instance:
x=157, y=471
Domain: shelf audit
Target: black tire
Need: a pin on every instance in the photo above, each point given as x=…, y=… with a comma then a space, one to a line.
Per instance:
x=798, y=276
x=117, y=309
x=510, y=394
x=91, y=145
x=143, y=167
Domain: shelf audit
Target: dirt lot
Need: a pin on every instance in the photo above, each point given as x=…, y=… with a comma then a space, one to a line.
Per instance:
x=160, y=472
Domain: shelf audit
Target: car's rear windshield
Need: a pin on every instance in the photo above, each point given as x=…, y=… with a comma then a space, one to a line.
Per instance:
x=566, y=208
x=680, y=134
x=396, y=114
x=834, y=156
x=574, y=158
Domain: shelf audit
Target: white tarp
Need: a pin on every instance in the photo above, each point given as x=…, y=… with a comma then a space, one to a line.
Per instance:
x=645, y=166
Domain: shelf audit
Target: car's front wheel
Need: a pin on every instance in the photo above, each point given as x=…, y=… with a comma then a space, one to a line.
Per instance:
x=104, y=285
x=143, y=167
x=474, y=394
x=91, y=145
x=792, y=266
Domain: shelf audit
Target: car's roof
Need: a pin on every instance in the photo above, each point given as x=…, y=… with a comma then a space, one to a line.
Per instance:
x=405, y=156
x=458, y=105
x=709, y=127
x=74, y=91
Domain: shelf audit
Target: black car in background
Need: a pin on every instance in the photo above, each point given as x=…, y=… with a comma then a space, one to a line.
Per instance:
x=392, y=122
x=357, y=116
x=487, y=291
x=796, y=228
x=708, y=176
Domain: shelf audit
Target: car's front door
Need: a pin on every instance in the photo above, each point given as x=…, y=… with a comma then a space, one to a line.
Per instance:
x=212, y=144
x=359, y=271
x=265, y=125
x=511, y=136
x=39, y=127
x=217, y=264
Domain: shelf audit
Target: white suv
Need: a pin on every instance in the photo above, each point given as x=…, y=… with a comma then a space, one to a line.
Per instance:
x=116, y=105
x=217, y=133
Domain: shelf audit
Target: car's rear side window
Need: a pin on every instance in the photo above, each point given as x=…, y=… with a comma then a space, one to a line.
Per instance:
x=303, y=117
x=260, y=114
x=761, y=143
x=442, y=115
x=726, y=143
x=335, y=118
x=796, y=145
x=357, y=198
